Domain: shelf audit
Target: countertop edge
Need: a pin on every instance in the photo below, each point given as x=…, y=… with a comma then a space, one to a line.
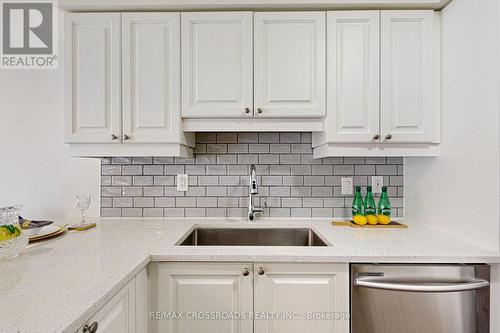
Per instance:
x=101, y=301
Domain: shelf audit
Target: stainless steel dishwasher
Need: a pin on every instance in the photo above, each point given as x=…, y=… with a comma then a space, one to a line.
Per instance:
x=413, y=298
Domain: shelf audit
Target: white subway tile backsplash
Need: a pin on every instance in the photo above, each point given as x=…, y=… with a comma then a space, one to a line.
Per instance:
x=244, y=137
x=132, y=191
x=387, y=170
x=185, y=202
x=142, y=180
x=291, y=182
x=111, y=170
x=163, y=180
x=153, y=170
x=322, y=170
x=300, y=212
x=265, y=137
x=216, y=170
x=132, y=170
x=121, y=180
x=164, y=202
x=152, y=212
x=144, y=202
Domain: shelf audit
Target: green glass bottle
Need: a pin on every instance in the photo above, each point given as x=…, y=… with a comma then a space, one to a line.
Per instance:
x=370, y=207
x=357, y=203
x=384, y=205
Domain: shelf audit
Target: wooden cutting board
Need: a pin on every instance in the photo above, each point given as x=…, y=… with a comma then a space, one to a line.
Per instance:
x=392, y=225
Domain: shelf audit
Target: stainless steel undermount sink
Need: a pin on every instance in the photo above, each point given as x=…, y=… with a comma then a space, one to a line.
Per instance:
x=210, y=236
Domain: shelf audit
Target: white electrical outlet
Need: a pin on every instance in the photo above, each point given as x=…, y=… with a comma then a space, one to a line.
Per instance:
x=377, y=183
x=347, y=186
x=182, y=182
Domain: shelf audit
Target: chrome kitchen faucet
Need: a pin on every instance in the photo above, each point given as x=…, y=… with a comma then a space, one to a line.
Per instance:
x=253, y=190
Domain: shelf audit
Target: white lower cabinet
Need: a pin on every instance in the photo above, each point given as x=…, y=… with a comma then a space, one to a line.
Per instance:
x=314, y=297
x=198, y=292
x=274, y=297
x=125, y=312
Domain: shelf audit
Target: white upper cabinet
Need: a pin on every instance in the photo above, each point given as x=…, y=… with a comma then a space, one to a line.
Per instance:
x=92, y=69
x=123, y=85
x=217, y=65
x=409, y=76
x=353, y=76
x=289, y=60
x=151, y=77
x=383, y=90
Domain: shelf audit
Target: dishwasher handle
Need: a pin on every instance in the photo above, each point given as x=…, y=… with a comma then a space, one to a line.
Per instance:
x=384, y=284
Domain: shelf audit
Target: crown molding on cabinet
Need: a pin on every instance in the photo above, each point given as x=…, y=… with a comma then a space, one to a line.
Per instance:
x=186, y=5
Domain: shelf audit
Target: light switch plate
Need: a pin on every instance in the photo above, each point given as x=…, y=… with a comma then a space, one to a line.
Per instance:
x=182, y=183
x=347, y=186
x=377, y=183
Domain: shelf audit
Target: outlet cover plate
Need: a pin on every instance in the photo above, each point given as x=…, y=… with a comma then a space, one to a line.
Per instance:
x=182, y=183
x=377, y=183
x=347, y=186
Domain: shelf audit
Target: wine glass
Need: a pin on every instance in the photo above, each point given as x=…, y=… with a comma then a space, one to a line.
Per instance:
x=83, y=203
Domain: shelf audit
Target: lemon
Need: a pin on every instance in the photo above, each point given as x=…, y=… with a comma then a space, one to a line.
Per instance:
x=372, y=219
x=383, y=219
x=360, y=219
x=4, y=234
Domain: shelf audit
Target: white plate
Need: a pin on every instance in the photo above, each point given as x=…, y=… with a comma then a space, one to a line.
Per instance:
x=39, y=232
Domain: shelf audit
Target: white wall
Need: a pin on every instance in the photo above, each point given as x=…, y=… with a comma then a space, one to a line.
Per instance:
x=35, y=167
x=458, y=192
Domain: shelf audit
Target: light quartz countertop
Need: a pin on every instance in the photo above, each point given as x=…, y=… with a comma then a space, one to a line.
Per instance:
x=56, y=285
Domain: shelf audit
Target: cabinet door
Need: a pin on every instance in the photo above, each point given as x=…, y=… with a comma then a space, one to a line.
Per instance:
x=289, y=61
x=189, y=288
x=409, y=72
x=217, y=64
x=151, y=77
x=92, y=69
x=353, y=75
x=118, y=315
x=142, y=301
x=303, y=291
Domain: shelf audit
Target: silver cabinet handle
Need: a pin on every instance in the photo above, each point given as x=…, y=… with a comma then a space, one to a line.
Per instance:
x=126, y=137
x=247, y=110
x=260, y=270
x=113, y=137
x=259, y=110
x=245, y=272
x=388, y=136
x=384, y=284
x=92, y=328
x=376, y=137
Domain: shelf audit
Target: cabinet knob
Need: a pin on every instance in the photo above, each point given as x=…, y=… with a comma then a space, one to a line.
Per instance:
x=259, y=110
x=113, y=137
x=92, y=328
x=388, y=136
x=376, y=137
x=247, y=110
x=260, y=271
x=245, y=272
x=126, y=137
